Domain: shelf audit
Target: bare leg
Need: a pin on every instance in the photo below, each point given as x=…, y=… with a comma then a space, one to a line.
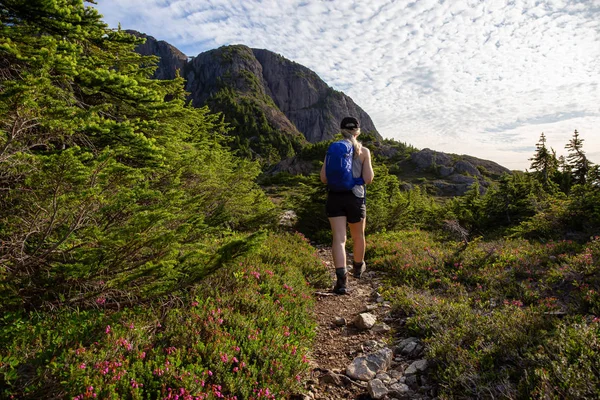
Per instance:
x=338, y=246
x=357, y=231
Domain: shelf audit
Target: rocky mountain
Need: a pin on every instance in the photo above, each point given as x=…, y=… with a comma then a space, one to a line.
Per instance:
x=303, y=102
x=452, y=174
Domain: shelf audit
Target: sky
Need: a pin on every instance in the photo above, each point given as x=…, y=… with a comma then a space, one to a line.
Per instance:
x=483, y=77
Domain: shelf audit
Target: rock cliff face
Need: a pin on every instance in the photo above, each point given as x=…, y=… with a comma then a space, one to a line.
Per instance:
x=170, y=58
x=315, y=108
x=235, y=68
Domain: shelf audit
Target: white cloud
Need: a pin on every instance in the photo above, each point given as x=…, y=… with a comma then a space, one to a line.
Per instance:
x=483, y=78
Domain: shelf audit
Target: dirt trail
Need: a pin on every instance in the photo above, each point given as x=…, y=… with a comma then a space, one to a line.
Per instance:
x=336, y=346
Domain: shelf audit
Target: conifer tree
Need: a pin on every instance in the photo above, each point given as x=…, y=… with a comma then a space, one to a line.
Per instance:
x=105, y=174
x=544, y=161
x=565, y=179
x=576, y=159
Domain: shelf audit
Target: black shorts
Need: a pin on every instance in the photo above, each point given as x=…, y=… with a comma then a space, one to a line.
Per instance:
x=346, y=204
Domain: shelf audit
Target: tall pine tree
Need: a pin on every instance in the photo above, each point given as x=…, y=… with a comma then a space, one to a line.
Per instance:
x=576, y=159
x=544, y=161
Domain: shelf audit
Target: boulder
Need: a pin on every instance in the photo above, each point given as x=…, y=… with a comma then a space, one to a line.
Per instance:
x=445, y=171
x=365, y=321
x=364, y=368
x=465, y=167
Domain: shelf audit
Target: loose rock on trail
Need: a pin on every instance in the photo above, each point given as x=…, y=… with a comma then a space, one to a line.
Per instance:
x=359, y=351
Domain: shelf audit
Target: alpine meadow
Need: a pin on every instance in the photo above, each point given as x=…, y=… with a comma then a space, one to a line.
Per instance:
x=145, y=252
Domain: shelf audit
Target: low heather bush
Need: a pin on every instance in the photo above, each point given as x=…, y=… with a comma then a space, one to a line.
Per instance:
x=241, y=333
x=503, y=319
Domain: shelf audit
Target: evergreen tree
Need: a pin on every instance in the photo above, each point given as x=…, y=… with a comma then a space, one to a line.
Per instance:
x=515, y=198
x=564, y=175
x=105, y=174
x=576, y=159
x=544, y=161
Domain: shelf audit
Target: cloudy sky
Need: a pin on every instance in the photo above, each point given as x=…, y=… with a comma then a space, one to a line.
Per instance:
x=477, y=77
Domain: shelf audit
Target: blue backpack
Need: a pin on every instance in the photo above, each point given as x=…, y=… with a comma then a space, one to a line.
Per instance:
x=338, y=166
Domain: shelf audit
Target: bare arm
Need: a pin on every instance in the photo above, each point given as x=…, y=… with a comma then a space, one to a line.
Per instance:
x=367, y=169
x=323, y=176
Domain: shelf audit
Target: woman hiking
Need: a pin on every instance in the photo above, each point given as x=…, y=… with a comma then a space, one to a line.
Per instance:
x=346, y=170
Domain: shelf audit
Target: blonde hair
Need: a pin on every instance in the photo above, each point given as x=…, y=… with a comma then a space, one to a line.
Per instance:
x=350, y=135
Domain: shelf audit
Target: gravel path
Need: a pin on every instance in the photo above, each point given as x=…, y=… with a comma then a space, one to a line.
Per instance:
x=336, y=346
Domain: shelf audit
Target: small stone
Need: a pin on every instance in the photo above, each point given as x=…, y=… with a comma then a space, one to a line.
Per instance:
x=339, y=321
x=381, y=328
x=365, y=321
x=402, y=343
x=417, y=366
x=409, y=348
x=377, y=389
x=380, y=300
x=418, y=351
x=399, y=388
x=383, y=377
x=370, y=307
x=395, y=374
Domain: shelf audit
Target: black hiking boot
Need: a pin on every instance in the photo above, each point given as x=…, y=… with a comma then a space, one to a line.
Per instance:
x=342, y=280
x=359, y=268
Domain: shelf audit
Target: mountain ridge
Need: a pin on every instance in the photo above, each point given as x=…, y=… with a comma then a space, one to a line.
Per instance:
x=315, y=113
